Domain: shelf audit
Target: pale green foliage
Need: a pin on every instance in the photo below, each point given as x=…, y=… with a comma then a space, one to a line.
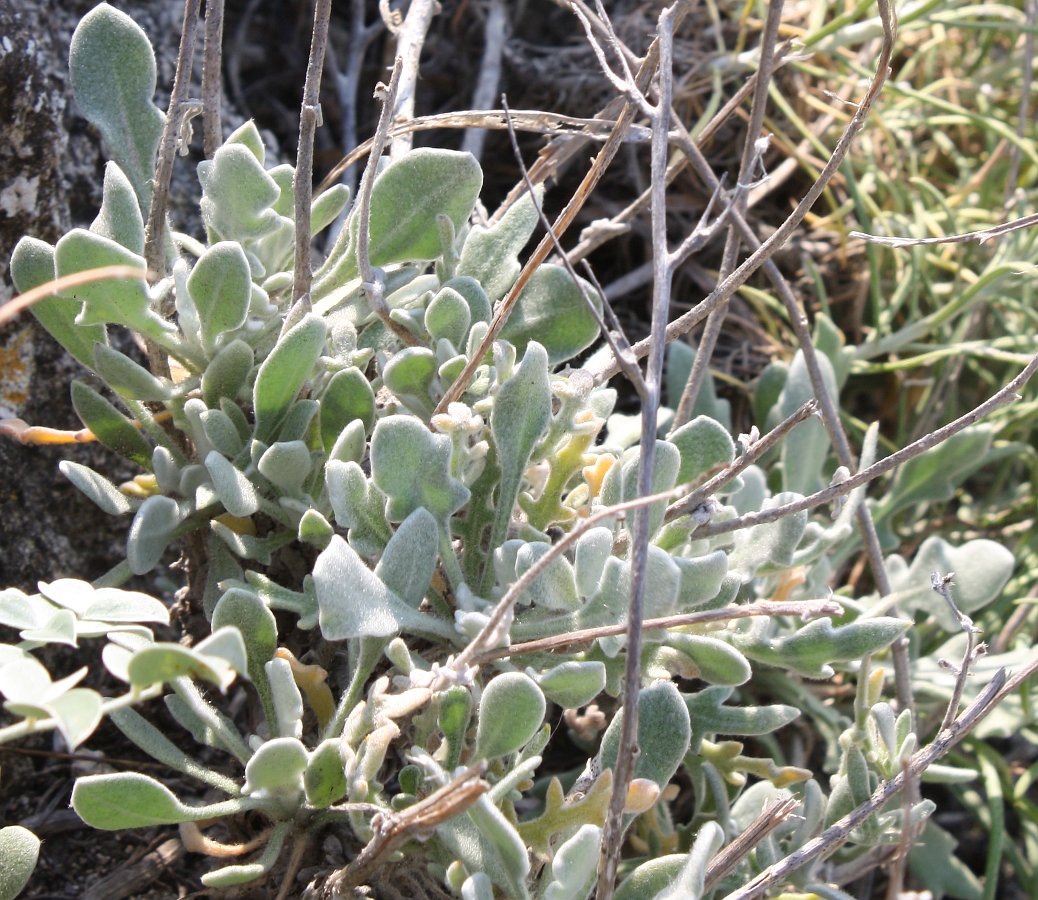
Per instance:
x=310, y=463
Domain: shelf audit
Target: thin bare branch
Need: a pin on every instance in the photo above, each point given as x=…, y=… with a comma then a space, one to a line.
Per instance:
x=212, y=130
x=941, y=584
x=650, y=387
x=410, y=37
x=603, y=371
x=985, y=234
x=747, y=167
x=416, y=821
x=495, y=35
x=155, y=230
x=309, y=119
x=831, y=839
x=806, y=609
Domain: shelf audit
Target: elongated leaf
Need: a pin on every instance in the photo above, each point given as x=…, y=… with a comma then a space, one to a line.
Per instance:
x=120, y=217
x=98, y=488
x=220, y=285
x=126, y=377
x=112, y=70
x=284, y=373
x=32, y=264
x=132, y=800
x=109, y=425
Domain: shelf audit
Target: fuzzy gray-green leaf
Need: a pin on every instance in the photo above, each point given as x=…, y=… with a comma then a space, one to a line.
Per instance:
x=19, y=849
x=511, y=711
x=112, y=70
x=220, y=285
x=553, y=310
x=32, y=264
x=284, y=373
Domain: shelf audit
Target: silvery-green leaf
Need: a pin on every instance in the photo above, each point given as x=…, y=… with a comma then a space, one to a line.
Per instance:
x=770, y=543
x=124, y=301
x=701, y=578
x=703, y=444
x=116, y=605
x=690, y=881
x=665, y=470
x=480, y=308
x=766, y=395
x=709, y=715
x=359, y=506
x=556, y=587
x=76, y=712
x=59, y=628
x=651, y=877
x=112, y=70
x=572, y=872
x=520, y=417
x=120, y=218
x=19, y=849
x=287, y=701
x=296, y=426
x=237, y=195
x=410, y=193
x=315, y=529
x=511, y=710
x=126, y=377
x=19, y=610
x=276, y=768
x=158, y=663
x=477, y=886
x=936, y=474
x=412, y=467
x=98, y=488
x=664, y=733
x=248, y=136
x=806, y=447
x=226, y=375
x=491, y=255
x=325, y=779
x=327, y=206
x=220, y=285
x=410, y=375
x=236, y=492
x=680, y=359
x=485, y=841
x=594, y=547
x=348, y=396
x=713, y=660
x=453, y=713
x=981, y=568
x=32, y=264
x=246, y=612
x=354, y=602
x=221, y=432
x=812, y=647
x=150, y=533
x=552, y=310
x=286, y=464
x=409, y=560
x=132, y=800
x=284, y=372
x=230, y=876
x=159, y=747
x=109, y=425
x=572, y=684
x=447, y=316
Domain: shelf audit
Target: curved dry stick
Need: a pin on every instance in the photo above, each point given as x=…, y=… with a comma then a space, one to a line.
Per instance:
x=66, y=282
